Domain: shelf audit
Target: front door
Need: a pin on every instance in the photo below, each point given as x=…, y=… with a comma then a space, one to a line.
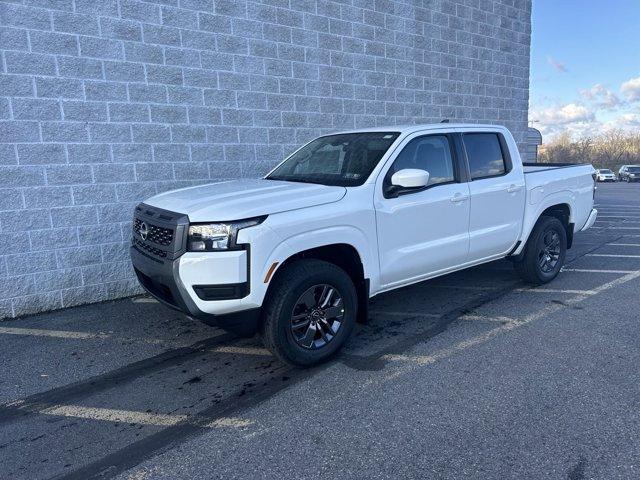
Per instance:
x=427, y=230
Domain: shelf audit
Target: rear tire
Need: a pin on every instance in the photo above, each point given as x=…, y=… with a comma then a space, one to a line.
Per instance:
x=544, y=253
x=310, y=312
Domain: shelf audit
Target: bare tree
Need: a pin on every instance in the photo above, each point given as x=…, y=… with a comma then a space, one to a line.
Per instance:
x=610, y=149
x=613, y=147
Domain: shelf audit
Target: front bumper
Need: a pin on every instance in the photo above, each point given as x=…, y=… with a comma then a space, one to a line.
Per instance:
x=162, y=281
x=212, y=287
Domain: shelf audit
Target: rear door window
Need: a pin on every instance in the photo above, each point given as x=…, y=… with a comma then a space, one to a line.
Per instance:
x=485, y=155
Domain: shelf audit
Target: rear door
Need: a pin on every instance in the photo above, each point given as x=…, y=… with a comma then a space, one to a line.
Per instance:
x=423, y=231
x=498, y=195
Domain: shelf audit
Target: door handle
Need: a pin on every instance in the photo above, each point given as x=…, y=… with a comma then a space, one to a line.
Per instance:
x=459, y=197
x=514, y=188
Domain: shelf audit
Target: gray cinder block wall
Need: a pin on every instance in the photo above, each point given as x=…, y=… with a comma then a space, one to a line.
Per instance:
x=106, y=102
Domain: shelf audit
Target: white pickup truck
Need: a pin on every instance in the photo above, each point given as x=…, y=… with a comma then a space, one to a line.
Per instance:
x=297, y=254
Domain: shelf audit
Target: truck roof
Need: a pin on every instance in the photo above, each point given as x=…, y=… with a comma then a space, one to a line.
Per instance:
x=406, y=129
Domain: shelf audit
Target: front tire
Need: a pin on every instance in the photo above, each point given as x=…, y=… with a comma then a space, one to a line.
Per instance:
x=544, y=252
x=310, y=312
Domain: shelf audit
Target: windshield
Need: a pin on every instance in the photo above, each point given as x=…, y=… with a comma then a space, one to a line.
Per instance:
x=345, y=160
x=604, y=170
x=633, y=169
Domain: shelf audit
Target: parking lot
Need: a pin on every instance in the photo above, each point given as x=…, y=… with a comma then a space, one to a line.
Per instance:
x=472, y=375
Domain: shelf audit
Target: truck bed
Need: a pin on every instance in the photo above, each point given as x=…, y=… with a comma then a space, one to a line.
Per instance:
x=546, y=181
x=534, y=167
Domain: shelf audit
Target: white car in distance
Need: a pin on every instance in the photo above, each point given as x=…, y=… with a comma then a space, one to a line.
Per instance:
x=605, y=175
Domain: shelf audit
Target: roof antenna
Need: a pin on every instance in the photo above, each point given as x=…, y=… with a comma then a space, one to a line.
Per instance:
x=446, y=120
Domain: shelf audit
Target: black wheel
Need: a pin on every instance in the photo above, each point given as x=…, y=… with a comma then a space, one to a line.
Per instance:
x=544, y=252
x=310, y=312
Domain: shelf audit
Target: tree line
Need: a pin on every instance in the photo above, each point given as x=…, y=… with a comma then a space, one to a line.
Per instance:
x=610, y=149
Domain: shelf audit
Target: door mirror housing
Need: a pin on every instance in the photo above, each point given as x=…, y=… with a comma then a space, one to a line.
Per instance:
x=406, y=180
x=410, y=178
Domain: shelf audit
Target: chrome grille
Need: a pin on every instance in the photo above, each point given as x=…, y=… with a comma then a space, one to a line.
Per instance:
x=158, y=235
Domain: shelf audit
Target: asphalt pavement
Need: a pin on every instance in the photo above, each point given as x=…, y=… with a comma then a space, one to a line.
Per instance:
x=472, y=375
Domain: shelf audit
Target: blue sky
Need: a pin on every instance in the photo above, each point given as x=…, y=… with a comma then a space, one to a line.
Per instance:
x=585, y=66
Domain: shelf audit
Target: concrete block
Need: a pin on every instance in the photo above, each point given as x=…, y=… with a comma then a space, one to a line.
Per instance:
x=80, y=67
x=84, y=111
x=90, y=152
x=41, y=154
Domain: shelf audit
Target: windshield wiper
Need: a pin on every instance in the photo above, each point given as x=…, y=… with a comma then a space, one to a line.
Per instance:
x=295, y=179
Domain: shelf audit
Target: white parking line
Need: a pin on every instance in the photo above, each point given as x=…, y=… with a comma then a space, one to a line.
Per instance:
x=618, y=215
x=617, y=228
x=484, y=318
x=616, y=205
x=624, y=244
x=140, y=418
x=611, y=255
x=624, y=220
x=554, y=290
x=243, y=350
x=621, y=210
x=38, y=332
x=424, y=360
x=587, y=270
x=405, y=314
x=144, y=300
x=465, y=287
x=75, y=335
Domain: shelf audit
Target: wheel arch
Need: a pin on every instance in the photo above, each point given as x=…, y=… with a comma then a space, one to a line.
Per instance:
x=561, y=211
x=343, y=255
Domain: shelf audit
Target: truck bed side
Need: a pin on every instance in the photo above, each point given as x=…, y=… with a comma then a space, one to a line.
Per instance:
x=557, y=184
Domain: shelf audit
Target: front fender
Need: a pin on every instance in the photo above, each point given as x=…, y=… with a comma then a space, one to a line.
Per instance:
x=319, y=238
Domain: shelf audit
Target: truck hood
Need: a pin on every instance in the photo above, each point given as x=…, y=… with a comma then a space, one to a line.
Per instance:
x=239, y=199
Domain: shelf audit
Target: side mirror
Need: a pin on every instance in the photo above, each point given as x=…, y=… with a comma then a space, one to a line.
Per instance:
x=410, y=178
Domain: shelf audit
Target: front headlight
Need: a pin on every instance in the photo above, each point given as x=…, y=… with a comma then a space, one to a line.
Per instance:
x=213, y=237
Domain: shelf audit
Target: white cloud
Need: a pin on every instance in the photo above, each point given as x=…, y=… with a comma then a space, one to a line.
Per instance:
x=574, y=118
x=559, y=66
x=563, y=114
x=579, y=121
x=631, y=89
x=601, y=96
x=599, y=109
x=629, y=120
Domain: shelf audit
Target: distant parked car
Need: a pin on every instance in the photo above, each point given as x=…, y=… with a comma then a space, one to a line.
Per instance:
x=629, y=173
x=605, y=175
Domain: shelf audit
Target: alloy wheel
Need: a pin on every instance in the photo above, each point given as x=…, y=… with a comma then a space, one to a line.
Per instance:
x=549, y=255
x=317, y=316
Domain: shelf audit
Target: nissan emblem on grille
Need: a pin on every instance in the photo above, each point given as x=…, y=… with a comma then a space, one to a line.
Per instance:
x=144, y=231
